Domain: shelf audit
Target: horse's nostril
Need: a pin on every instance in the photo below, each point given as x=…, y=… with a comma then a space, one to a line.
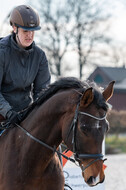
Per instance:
x=91, y=180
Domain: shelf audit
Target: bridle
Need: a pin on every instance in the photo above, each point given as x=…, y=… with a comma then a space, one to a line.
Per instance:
x=78, y=157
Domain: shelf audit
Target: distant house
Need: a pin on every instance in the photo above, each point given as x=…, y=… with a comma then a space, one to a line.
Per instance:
x=104, y=75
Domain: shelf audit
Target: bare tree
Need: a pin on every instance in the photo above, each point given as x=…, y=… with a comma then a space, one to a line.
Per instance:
x=89, y=28
x=55, y=36
x=71, y=25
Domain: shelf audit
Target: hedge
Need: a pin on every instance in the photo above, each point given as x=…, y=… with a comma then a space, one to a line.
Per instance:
x=117, y=121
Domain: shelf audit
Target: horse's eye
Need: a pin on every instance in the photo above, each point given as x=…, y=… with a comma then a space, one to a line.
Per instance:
x=85, y=129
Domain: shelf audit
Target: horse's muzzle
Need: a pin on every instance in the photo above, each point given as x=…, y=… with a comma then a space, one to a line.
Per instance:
x=93, y=181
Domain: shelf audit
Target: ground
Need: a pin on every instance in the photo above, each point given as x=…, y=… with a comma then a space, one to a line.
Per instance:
x=115, y=175
x=115, y=172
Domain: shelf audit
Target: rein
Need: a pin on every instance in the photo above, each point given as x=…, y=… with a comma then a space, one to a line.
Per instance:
x=73, y=127
x=44, y=144
x=77, y=157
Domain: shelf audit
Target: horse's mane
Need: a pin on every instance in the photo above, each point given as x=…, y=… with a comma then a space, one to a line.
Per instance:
x=61, y=84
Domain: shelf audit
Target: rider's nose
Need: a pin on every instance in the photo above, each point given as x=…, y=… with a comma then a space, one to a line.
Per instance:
x=30, y=33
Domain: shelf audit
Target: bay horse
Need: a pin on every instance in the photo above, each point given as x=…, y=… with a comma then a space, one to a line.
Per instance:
x=70, y=111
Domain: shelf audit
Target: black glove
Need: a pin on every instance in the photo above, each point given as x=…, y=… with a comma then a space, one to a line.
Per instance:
x=13, y=117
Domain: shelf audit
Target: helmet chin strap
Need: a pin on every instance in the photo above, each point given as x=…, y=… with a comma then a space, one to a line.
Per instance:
x=17, y=38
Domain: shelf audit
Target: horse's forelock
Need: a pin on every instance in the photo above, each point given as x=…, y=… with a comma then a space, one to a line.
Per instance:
x=99, y=100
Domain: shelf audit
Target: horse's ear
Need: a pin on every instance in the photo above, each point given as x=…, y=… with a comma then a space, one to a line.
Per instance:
x=108, y=92
x=87, y=98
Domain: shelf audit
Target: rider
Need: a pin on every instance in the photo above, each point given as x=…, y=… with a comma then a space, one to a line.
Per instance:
x=24, y=68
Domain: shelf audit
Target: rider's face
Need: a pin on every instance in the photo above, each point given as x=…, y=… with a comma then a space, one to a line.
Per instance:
x=24, y=37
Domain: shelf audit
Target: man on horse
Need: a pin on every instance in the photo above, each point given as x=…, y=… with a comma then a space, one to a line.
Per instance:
x=24, y=68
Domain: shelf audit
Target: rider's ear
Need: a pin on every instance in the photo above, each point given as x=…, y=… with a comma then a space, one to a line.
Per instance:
x=87, y=98
x=108, y=92
x=14, y=28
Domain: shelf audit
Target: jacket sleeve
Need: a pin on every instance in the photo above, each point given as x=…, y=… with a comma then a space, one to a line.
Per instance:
x=43, y=77
x=4, y=105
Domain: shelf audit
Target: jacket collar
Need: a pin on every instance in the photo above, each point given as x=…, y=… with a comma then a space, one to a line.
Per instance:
x=19, y=49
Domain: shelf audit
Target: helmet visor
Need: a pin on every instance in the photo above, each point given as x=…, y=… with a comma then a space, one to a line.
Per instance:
x=29, y=28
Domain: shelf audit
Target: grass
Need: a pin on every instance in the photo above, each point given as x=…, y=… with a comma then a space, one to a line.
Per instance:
x=115, y=144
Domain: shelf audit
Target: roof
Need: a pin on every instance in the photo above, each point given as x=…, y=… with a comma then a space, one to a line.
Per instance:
x=118, y=73
x=121, y=85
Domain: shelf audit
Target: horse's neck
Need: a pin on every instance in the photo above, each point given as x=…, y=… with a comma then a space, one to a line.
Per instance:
x=43, y=127
x=47, y=121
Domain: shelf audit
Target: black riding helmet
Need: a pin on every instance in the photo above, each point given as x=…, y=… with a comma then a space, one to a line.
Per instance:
x=25, y=17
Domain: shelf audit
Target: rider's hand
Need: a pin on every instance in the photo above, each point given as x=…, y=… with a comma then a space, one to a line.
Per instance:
x=13, y=117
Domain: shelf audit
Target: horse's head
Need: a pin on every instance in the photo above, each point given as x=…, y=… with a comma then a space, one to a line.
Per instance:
x=87, y=132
